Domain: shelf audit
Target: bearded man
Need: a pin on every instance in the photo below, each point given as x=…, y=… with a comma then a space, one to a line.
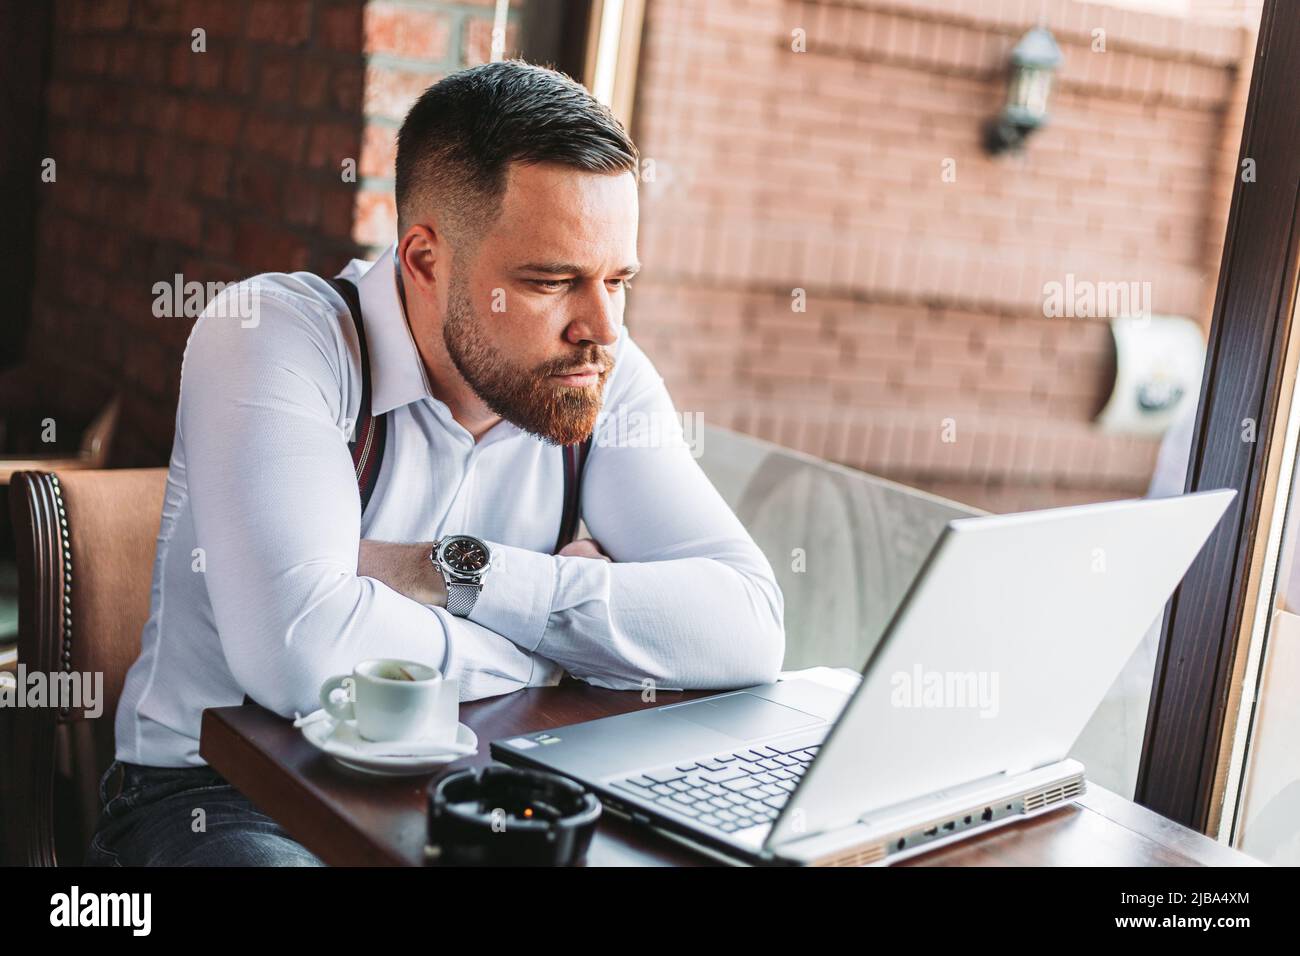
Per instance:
x=391, y=463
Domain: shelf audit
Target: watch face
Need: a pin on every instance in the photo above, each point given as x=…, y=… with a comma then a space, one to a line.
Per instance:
x=465, y=555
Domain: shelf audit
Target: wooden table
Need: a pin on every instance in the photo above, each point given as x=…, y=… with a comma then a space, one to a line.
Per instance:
x=348, y=819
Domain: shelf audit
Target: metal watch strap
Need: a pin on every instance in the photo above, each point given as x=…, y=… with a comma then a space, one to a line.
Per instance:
x=461, y=598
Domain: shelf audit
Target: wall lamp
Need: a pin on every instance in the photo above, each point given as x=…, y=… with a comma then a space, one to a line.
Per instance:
x=1033, y=62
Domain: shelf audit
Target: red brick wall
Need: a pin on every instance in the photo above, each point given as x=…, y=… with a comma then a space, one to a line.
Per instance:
x=821, y=170
x=215, y=165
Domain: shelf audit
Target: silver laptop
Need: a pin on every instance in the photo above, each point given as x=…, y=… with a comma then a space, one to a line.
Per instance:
x=963, y=718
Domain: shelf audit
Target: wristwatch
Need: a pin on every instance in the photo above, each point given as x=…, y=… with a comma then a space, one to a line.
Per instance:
x=462, y=560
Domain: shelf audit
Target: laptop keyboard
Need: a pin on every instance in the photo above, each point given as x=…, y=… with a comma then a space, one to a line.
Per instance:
x=730, y=791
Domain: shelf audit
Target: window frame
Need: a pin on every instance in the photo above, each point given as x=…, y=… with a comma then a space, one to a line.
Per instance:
x=1251, y=358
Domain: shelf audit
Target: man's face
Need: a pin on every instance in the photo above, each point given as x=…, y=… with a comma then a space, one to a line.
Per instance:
x=532, y=319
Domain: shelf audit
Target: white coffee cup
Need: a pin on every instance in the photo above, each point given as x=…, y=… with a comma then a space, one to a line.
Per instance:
x=393, y=699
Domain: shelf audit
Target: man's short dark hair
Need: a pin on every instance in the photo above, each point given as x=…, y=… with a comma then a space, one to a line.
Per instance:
x=459, y=138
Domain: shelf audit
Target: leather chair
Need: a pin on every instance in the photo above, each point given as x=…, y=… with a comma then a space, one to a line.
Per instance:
x=85, y=548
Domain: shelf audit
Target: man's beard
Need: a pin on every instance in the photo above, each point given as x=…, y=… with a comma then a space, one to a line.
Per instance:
x=528, y=398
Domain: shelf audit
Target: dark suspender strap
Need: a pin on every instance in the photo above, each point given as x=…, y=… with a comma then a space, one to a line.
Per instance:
x=575, y=461
x=371, y=433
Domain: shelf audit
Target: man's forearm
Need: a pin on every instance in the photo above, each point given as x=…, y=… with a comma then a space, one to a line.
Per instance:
x=405, y=568
x=679, y=622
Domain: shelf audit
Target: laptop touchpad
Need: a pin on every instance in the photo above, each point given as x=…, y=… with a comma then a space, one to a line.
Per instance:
x=744, y=716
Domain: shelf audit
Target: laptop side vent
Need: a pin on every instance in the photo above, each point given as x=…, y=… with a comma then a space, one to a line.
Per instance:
x=863, y=855
x=1037, y=799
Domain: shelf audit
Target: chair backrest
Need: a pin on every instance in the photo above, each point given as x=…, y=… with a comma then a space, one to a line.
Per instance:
x=845, y=545
x=85, y=548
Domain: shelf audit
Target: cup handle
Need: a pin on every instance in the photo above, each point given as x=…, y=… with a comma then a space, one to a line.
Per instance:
x=339, y=711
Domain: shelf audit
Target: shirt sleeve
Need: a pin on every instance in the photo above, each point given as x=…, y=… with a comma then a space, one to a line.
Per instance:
x=690, y=600
x=277, y=515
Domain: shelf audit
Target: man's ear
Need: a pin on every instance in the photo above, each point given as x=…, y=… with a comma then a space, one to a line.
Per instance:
x=419, y=250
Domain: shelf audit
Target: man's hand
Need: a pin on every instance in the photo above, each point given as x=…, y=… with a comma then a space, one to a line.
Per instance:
x=584, y=548
x=405, y=568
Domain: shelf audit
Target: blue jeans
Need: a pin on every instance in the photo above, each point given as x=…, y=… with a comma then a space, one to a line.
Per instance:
x=150, y=816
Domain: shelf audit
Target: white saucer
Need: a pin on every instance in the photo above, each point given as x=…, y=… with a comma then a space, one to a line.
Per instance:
x=341, y=741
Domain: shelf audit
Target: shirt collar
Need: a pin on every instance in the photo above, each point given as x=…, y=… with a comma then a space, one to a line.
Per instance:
x=398, y=375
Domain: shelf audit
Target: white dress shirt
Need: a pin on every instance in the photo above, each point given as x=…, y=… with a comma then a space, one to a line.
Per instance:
x=255, y=584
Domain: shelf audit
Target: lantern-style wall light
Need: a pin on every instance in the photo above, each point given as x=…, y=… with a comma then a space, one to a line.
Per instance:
x=1033, y=61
